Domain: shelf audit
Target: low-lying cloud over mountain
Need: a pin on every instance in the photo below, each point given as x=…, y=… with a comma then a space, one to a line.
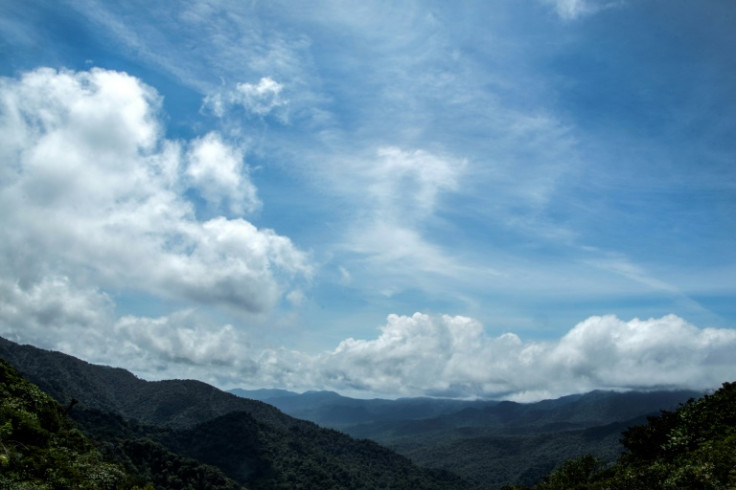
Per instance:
x=412, y=355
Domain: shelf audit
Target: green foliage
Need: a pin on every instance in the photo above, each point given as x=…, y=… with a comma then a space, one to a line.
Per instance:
x=693, y=447
x=573, y=474
x=491, y=443
x=257, y=455
x=135, y=446
x=40, y=449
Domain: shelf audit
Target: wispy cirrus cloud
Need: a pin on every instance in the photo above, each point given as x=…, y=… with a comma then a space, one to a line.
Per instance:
x=406, y=185
x=573, y=9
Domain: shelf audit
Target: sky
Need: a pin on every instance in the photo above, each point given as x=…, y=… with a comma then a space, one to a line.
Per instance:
x=515, y=199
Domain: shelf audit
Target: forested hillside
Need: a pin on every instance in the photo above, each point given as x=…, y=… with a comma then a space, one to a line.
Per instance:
x=40, y=448
x=163, y=431
x=693, y=447
x=490, y=443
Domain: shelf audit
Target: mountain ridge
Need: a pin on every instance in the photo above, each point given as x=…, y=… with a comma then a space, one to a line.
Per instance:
x=253, y=443
x=489, y=442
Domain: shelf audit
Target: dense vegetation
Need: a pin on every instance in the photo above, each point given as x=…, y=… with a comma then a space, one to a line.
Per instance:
x=490, y=443
x=692, y=447
x=257, y=455
x=41, y=449
x=135, y=446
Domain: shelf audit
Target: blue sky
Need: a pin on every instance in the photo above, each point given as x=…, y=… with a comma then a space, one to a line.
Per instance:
x=499, y=199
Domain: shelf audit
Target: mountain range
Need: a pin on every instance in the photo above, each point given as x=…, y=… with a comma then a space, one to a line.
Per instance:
x=490, y=443
x=162, y=430
x=158, y=429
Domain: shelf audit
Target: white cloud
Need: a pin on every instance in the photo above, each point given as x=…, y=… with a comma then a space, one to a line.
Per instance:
x=572, y=9
x=404, y=185
x=394, y=184
x=182, y=337
x=53, y=314
x=395, y=193
x=91, y=191
x=400, y=253
x=413, y=355
x=345, y=276
x=453, y=356
x=261, y=99
x=216, y=170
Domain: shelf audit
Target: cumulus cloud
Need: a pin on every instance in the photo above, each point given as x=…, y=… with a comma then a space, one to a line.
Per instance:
x=421, y=354
x=260, y=98
x=216, y=170
x=182, y=337
x=92, y=191
x=54, y=314
x=453, y=356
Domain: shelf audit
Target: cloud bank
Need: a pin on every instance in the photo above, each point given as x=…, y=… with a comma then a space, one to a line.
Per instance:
x=453, y=356
x=436, y=355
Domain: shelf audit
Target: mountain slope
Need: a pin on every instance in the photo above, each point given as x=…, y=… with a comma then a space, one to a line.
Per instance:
x=174, y=403
x=488, y=442
x=340, y=412
x=40, y=448
x=691, y=447
x=250, y=441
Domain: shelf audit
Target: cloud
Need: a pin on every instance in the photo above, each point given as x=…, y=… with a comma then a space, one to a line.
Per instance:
x=216, y=171
x=453, y=356
x=261, y=99
x=421, y=354
x=395, y=193
x=406, y=184
x=393, y=198
x=54, y=314
x=573, y=9
x=182, y=337
x=92, y=191
x=570, y=9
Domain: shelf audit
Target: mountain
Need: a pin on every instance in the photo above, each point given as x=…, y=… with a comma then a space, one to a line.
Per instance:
x=172, y=403
x=39, y=447
x=333, y=410
x=262, y=394
x=490, y=443
x=251, y=442
x=691, y=447
x=150, y=426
